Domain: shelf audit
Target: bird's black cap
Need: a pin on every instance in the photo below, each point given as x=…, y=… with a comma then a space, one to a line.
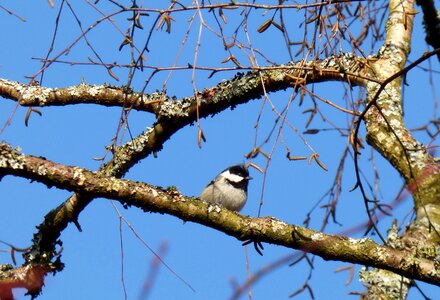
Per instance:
x=239, y=170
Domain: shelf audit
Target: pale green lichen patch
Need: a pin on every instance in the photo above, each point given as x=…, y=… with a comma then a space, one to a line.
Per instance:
x=42, y=170
x=411, y=262
x=393, y=239
x=385, y=282
x=34, y=94
x=173, y=108
x=417, y=156
x=437, y=258
x=381, y=137
x=85, y=89
x=238, y=88
x=124, y=154
x=317, y=236
x=10, y=159
x=393, y=55
x=154, y=193
x=359, y=241
x=433, y=211
x=79, y=176
x=138, y=144
x=428, y=251
x=117, y=185
x=394, y=123
x=277, y=225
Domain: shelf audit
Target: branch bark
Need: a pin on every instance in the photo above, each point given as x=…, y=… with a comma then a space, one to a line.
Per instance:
x=170, y=201
x=241, y=89
x=387, y=133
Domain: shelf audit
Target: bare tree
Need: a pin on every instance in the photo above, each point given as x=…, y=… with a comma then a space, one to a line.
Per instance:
x=362, y=44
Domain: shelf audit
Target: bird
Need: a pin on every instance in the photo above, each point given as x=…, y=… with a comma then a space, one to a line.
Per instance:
x=229, y=188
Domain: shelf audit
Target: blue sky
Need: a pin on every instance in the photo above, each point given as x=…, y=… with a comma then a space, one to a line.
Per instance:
x=208, y=260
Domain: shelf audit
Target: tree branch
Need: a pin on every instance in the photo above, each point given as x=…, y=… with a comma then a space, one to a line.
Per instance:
x=270, y=230
x=240, y=89
x=387, y=133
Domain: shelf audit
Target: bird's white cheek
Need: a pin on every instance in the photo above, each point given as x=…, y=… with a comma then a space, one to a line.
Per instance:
x=232, y=177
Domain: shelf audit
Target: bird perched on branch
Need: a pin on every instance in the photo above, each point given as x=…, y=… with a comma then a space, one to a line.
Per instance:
x=229, y=188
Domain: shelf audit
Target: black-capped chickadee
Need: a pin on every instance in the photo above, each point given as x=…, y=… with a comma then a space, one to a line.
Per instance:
x=228, y=189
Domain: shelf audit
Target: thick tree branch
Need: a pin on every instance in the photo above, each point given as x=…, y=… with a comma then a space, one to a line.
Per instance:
x=105, y=95
x=387, y=133
x=240, y=89
x=270, y=230
x=386, y=130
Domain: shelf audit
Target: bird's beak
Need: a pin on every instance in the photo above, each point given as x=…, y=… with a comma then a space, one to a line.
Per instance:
x=249, y=178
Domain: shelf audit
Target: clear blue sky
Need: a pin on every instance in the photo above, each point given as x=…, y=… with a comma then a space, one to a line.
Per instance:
x=208, y=260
